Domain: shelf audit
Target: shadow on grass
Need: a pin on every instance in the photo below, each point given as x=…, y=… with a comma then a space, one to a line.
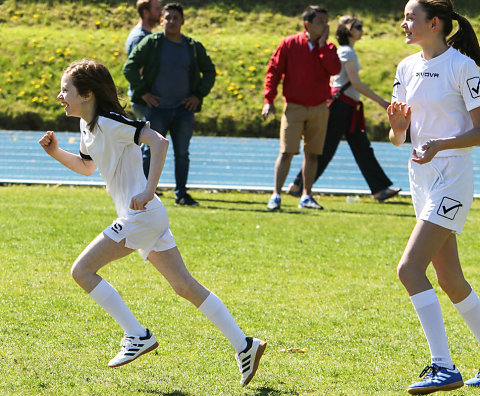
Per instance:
x=262, y=391
x=228, y=201
x=267, y=391
x=209, y=203
x=299, y=212
x=158, y=392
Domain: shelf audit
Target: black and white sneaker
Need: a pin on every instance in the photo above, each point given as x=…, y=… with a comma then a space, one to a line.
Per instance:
x=249, y=358
x=132, y=348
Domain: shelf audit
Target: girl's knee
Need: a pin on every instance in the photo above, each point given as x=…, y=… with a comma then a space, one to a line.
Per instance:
x=406, y=272
x=78, y=272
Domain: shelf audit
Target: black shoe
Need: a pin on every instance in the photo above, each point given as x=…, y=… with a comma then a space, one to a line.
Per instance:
x=386, y=194
x=185, y=200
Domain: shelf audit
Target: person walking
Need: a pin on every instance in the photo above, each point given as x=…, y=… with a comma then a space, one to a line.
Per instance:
x=346, y=116
x=171, y=74
x=110, y=141
x=437, y=94
x=305, y=62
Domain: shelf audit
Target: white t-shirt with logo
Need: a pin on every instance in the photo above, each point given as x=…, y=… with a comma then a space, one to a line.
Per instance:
x=114, y=146
x=441, y=92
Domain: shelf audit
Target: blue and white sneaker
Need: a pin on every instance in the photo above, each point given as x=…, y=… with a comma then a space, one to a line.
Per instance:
x=436, y=379
x=274, y=202
x=475, y=381
x=308, y=202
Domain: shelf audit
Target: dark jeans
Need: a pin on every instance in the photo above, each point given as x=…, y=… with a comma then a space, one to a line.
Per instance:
x=338, y=126
x=179, y=122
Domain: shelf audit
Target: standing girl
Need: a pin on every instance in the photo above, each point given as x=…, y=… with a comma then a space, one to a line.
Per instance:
x=346, y=116
x=437, y=93
x=111, y=142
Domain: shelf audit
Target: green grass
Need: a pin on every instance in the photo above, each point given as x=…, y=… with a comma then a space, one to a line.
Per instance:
x=40, y=38
x=325, y=281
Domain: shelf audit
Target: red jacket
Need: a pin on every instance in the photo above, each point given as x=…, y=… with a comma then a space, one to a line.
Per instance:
x=306, y=74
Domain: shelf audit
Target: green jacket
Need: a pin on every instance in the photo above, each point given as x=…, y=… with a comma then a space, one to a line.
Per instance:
x=146, y=57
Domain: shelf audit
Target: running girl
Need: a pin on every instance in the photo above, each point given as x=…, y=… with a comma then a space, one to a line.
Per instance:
x=111, y=142
x=437, y=93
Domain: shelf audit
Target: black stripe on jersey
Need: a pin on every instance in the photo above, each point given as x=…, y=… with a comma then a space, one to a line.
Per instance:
x=124, y=120
x=86, y=157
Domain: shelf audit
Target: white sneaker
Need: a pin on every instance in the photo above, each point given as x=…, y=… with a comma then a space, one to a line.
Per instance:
x=274, y=202
x=248, y=359
x=132, y=348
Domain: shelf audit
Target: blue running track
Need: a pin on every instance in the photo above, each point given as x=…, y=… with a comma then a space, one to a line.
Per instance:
x=215, y=163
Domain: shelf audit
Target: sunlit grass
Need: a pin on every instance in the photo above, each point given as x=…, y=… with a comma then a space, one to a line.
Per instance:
x=324, y=281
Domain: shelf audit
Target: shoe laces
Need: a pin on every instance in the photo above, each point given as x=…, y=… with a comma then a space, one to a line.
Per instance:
x=429, y=371
x=126, y=342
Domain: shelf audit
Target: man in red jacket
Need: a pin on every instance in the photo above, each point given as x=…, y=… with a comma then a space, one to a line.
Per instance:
x=305, y=61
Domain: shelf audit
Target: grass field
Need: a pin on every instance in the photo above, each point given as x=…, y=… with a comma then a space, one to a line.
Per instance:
x=324, y=281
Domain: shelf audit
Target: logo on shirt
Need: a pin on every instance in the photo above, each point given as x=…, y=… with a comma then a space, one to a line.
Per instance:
x=116, y=227
x=474, y=87
x=427, y=74
x=449, y=208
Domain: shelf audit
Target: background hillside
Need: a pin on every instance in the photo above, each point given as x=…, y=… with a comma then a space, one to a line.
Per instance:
x=40, y=38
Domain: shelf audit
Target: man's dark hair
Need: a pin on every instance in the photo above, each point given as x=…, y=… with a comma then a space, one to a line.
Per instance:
x=311, y=11
x=173, y=7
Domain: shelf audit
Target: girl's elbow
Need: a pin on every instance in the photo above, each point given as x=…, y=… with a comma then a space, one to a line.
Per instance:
x=89, y=170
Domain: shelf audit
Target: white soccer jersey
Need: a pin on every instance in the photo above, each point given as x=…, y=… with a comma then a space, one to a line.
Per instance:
x=441, y=92
x=114, y=146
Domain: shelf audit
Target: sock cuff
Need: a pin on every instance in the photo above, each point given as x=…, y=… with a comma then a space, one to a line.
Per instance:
x=209, y=306
x=102, y=291
x=468, y=303
x=424, y=298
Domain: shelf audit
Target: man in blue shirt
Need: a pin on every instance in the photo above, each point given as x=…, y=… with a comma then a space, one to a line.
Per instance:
x=150, y=12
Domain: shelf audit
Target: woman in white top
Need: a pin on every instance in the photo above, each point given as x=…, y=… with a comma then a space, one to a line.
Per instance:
x=111, y=143
x=436, y=94
x=346, y=118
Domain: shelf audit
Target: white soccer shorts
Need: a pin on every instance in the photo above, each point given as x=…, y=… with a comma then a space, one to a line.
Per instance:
x=442, y=190
x=143, y=230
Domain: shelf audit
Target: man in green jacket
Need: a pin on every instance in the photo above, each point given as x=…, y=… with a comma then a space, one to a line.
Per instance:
x=171, y=74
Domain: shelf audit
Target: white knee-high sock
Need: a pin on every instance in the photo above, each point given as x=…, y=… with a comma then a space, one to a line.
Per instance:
x=427, y=306
x=215, y=311
x=469, y=308
x=109, y=299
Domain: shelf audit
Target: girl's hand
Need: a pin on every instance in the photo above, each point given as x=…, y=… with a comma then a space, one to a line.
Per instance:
x=399, y=116
x=49, y=142
x=430, y=149
x=139, y=202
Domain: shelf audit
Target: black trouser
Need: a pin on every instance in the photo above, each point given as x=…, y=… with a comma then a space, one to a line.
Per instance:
x=338, y=127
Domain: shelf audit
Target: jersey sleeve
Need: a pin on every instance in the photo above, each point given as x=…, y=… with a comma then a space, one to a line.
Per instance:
x=83, y=147
x=399, y=93
x=470, y=85
x=120, y=128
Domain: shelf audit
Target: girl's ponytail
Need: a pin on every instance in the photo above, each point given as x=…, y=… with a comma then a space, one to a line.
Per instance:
x=465, y=40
